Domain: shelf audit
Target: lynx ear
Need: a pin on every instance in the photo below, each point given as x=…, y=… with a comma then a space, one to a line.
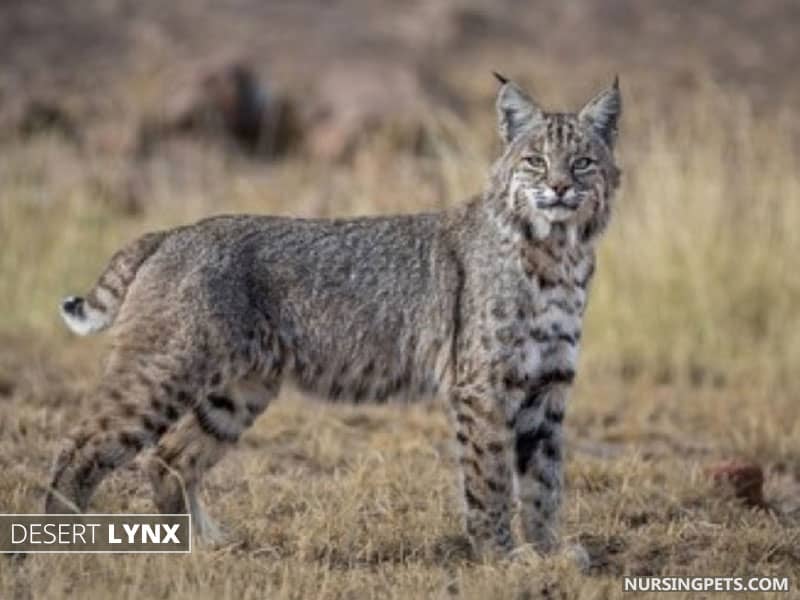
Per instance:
x=602, y=113
x=515, y=109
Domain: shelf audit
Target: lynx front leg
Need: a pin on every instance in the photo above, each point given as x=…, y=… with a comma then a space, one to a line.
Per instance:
x=485, y=458
x=538, y=454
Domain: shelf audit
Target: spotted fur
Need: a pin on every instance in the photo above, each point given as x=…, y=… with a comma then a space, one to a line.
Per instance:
x=481, y=304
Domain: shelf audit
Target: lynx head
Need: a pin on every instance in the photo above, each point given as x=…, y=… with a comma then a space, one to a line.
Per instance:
x=558, y=167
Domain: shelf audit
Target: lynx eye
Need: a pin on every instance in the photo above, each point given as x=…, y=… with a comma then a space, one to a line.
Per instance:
x=536, y=161
x=582, y=163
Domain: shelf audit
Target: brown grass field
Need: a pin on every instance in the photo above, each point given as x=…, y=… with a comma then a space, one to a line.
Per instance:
x=689, y=360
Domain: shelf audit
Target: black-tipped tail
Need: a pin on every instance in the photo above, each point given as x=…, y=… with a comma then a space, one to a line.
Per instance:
x=82, y=317
x=74, y=307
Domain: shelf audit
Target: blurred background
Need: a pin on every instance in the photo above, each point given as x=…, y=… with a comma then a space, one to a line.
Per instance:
x=118, y=116
x=122, y=116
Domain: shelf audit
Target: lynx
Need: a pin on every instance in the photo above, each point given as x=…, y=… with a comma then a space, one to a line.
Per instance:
x=481, y=304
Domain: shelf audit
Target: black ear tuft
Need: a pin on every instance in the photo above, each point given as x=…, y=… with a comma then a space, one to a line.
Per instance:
x=502, y=79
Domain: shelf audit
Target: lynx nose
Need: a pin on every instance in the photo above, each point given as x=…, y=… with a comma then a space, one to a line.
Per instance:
x=560, y=189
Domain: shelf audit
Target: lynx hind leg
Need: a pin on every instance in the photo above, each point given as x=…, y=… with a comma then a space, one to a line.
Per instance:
x=138, y=408
x=176, y=469
x=198, y=442
x=484, y=448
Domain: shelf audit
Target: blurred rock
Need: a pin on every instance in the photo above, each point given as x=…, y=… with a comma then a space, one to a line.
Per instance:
x=232, y=103
x=43, y=116
x=327, y=119
x=747, y=480
x=36, y=115
x=356, y=97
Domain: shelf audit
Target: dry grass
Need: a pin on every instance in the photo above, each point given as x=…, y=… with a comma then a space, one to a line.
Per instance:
x=689, y=358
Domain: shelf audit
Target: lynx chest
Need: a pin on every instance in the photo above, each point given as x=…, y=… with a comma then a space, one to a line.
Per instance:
x=541, y=338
